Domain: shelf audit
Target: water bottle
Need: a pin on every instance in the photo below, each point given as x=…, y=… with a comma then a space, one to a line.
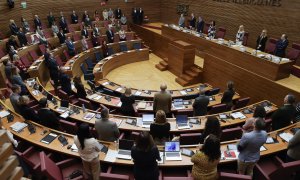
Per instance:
x=83, y=108
x=117, y=145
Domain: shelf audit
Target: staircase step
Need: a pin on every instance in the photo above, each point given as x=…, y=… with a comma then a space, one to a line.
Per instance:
x=296, y=71
x=161, y=67
x=191, y=73
x=196, y=69
x=164, y=63
x=181, y=81
x=186, y=77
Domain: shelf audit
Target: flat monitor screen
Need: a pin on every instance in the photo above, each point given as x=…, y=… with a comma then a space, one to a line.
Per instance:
x=172, y=146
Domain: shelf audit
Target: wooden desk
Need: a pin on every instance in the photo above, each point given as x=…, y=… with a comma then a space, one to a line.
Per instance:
x=266, y=68
x=186, y=161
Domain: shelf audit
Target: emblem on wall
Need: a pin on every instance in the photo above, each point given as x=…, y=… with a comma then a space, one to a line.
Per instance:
x=182, y=9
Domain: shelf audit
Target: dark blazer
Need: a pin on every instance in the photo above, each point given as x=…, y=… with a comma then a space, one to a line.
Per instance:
x=127, y=105
x=118, y=13
x=200, y=26
x=22, y=38
x=37, y=23
x=134, y=15
x=84, y=17
x=193, y=22
x=61, y=37
x=29, y=114
x=280, y=48
x=80, y=91
x=110, y=36
x=13, y=29
x=11, y=43
x=140, y=16
x=283, y=116
x=71, y=48
x=53, y=70
x=51, y=19
x=200, y=105
x=145, y=165
x=65, y=82
x=85, y=33
x=74, y=18
x=227, y=97
x=160, y=131
x=63, y=25
x=162, y=101
x=262, y=42
x=48, y=118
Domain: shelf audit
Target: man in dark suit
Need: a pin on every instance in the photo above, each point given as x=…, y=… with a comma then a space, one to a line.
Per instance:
x=74, y=17
x=163, y=101
x=192, y=21
x=51, y=19
x=13, y=27
x=134, y=15
x=71, y=47
x=84, y=32
x=110, y=35
x=63, y=24
x=27, y=112
x=200, y=104
x=285, y=114
x=22, y=38
x=65, y=83
x=53, y=68
x=118, y=13
x=85, y=14
x=200, y=25
x=261, y=41
x=47, y=117
x=140, y=16
x=61, y=36
x=281, y=45
x=37, y=22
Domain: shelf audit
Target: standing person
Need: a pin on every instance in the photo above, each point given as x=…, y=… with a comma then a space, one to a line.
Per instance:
x=96, y=15
x=144, y=155
x=65, y=82
x=110, y=13
x=84, y=32
x=110, y=35
x=70, y=46
x=259, y=112
x=200, y=104
x=200, y=25
x=122, y=35
x=134, y=15
x=249, y=147
x=14, y=97
x=104, y=48
x=281, y=45
x=88, y=149
x=85, y=14
x=80, y=91
x=63, y=24
x=123, y=20
x=25, y=25
x=212, y=126
x=51, y=19
x=192, y=21
x=37, y=22
x=105, y=15
x=16, y=79
x=84, y=44
x=228, y=95
x=61, y=36
x=181, y=21
x=128, y=102
x=207, y=159
x=163, y=100
x=96, y=31
x=74, y=17
x=13, y=27
x=55, y=29
x=48, y=118
x=140, y=16
x=27, y=112
x=261, y=41
x=240, y=34
x=212, y=30
x=87, y=21
x=53, y=68
x=160, y=129
x=118, y=13
x=22, y=38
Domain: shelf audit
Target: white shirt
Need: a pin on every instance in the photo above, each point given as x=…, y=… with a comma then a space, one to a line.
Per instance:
x=91, y=149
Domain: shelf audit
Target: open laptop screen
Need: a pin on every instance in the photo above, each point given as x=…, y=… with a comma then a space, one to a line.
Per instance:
x=125, y=144
x=172, y=146
x=181, y=119
x=148, y=117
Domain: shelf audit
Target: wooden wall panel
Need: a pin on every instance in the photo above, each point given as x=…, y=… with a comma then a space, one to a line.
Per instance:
x=42, y=7
x=277, y=20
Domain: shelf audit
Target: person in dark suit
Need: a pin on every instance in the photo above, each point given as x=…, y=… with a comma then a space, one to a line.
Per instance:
x=22, y=38
x=128, y=102
x=87, y=21
x=81, y=93
x=145, y=155
x=11, y=42
x=104, y=48
x=261, y=41
x=63, y=24
x=110, y=35
x=47, y=117
x=134, y=15
x=95, y=41
x=13, y=27
x=61, y=36
x=65, y=82
x=70, y=46
x=26, y=111
x=163, y=101
x=281, y=45
x=200, y=25
x=37, y=22
x=84, y=32
x=118, y=13
x=212, y=126
x=85, y=14
x=51, y=19
x=140, y=16
x=160, y=129
x=228, y=95
x=192, y=21
x=200, y=104
x=53, y=68
x=283, y=116
x=74, y=17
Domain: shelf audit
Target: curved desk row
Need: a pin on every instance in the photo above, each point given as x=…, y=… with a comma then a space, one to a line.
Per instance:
x=123, y=121
x=56, y=146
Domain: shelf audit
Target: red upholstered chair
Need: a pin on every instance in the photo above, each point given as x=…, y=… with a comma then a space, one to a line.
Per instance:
x=108, y=175
x=47, y=34
x=124, y=27
x=206, y=26
x=90, y=44
x=240, y=103
x=296, y=71
x=190, y=138
x=218, y=109
x=60, y=170
x=71, y=98
x=34, y=55
x=245, y=40
x=31, y=158
x=129, y=36
x=71, y=29
x=59, y=61
x=212, y=92
x=42, y=48
x=25, y=61
x=67, y=56
x=68, y=127
x=232, y=176
x=87, y=104
x=105, y=24
x=76, y=37
x=294, y=53
x=2, y=53
x=221, y=32
x=271, y=45
x=231, y=134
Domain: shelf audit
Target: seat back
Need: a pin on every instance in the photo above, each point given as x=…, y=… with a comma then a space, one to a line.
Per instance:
x=86, y=103
x=218, y=109
x=271, y=45
x=63, y=95
x=110, y=51
x=231, y=134
x=98, y=56
x=89, y=63
x=294, y=53
x=212, y=92
x=123, y=47
x=116, y=38
x=76, y=37
x=82, y=67
x=245, y=39
x=296, y=71
x=47, y=34
x=90, y=44
x=67, y=56
x=68, y=127
x=25, y=61
x=59, y=61
x=137, y=45
x=129, y=36
x=49, y=168
x=2, y=53
x=221, y=32
x=190, y=138
x=124, y=27
x=240, y=103
x=34, y=55
x=232, y=176
x=42, y=48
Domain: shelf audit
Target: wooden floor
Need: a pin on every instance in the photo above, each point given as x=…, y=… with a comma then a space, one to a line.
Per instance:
x=144, y=75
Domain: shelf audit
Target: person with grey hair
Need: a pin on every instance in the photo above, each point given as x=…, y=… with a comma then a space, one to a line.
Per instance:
x=14, y=97
x=107, y=130
x=181, y=21
x=163, y=101
x=200, y=104
x=285, y=114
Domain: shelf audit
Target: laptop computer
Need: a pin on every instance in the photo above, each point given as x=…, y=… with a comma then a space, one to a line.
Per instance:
x=64, y=105
x=147, y=120
x=172, y=151
x=125, y=149
x=182, y=122
x=178, y=103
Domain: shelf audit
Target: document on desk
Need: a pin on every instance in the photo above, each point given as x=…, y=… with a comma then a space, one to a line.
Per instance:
x=183, y=92
x=111, y=156
x=105, y=83
x=286, y=136
x=116, y=120
x=138, y=93
x=238, y=115
x=89, y=116
x=65, y=114
x=74, y=148
x=119, y=89
x=141, y=105
x=4, y=113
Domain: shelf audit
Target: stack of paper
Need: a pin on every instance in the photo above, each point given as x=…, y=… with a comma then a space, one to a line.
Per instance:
x=18, y=126
x=286, y=136
x=138, y=93
x=88, y=116
x=74, y=148
x=105, y=83
x=111, y=156
x=238, y=115
x=230, y=154
x=4, y=113
x=183, y=92
x=141, y=105
x=119, y=89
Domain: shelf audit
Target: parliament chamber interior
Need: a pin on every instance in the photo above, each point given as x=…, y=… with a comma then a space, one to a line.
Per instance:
x=150, y=90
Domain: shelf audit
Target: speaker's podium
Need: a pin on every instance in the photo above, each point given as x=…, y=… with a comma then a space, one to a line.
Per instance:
x=180, y=62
